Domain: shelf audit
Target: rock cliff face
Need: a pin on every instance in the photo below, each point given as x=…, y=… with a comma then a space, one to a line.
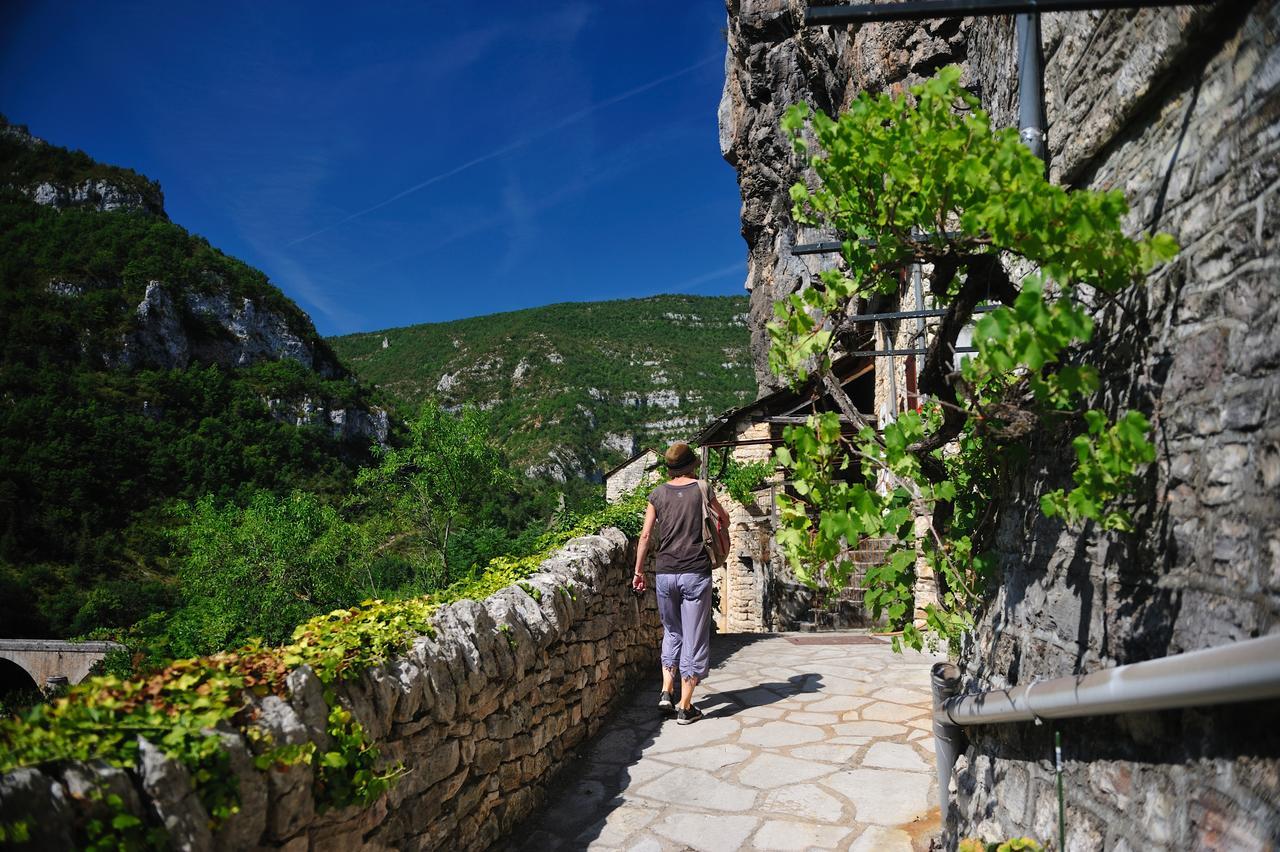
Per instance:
x=98, y=194
x=172, y=333
x=772, y=62
x=1179, y=108
x=54, y=177
x=573, y=389
x=223, y=315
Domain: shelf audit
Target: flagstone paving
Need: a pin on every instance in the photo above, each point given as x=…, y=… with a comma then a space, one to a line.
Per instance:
x=802, y=747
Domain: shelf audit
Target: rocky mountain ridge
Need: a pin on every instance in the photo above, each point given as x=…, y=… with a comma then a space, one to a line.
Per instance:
x=61, y=178
x=140, y=369
x=214, y=312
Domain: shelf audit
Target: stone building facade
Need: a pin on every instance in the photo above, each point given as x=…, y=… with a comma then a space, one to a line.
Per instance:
x=1180, y=108
x=640, y=469
x=757, y=592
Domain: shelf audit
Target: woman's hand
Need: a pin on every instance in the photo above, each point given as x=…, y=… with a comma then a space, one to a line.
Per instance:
x=642, y=549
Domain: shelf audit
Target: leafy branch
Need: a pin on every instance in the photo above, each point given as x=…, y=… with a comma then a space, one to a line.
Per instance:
x=924, y=179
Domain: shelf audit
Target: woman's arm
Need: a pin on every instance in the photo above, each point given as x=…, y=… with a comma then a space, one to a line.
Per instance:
x=642, y=549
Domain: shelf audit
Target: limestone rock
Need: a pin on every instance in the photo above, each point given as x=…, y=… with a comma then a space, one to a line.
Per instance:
x=306, y=694
x=243, y=829
x=173, y=799
x=29, y=796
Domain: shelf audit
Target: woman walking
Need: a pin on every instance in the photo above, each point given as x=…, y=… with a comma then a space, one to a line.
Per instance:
x=683, y=578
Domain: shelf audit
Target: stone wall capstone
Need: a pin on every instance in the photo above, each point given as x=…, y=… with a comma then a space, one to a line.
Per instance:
x=481, y=715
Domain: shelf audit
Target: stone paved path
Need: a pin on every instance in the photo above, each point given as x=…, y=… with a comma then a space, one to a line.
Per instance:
x=804, y=746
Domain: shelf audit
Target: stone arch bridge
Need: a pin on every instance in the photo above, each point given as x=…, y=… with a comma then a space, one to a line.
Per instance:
x=47, y=661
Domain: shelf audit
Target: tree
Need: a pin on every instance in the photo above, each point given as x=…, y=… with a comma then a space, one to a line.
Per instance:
x=923, y=179
x=260, y=570
x=446, y=473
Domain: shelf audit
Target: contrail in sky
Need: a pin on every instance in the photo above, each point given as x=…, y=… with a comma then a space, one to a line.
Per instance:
x=572, y=118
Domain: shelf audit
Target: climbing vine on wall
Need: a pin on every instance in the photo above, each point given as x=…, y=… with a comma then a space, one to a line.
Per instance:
x=922, y=178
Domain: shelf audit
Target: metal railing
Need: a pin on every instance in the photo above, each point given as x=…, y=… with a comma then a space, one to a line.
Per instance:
x=1248, y=670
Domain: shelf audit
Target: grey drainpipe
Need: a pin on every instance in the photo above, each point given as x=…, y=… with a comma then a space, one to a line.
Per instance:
x=948, y=737
x=1248, y=670
x=1031, y=115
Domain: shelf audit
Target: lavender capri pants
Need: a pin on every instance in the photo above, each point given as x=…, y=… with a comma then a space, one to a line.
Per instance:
x=684, y=603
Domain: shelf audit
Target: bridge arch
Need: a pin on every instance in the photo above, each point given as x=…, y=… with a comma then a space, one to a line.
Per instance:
x=47, y=661
x=15, y=677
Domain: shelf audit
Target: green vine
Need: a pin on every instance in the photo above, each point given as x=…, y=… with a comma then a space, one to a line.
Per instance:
x=924, y=179
x=740, y=479
x=177, y=707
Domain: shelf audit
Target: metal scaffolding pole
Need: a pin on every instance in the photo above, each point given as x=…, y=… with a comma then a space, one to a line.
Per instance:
x=923, y=10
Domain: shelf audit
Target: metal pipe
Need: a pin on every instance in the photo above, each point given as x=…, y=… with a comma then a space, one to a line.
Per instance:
x=948, y=737
x=1248, y=670
x=817, y=248
x=837, y=247
x=893, y=373
x=928, y=312
x=1031, y=115
x=886, y=353
x=917, y=285
x=922, y=10
x=922, y=338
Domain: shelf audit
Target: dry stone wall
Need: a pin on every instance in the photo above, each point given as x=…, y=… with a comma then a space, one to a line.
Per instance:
x=1180, y=108
x=481, y=715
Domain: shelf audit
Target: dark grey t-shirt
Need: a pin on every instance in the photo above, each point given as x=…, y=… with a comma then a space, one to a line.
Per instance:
x=679, y=529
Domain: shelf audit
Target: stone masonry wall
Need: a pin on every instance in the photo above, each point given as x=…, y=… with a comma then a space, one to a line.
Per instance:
x=1179, y=108
x=742, y=581
x=482, y=715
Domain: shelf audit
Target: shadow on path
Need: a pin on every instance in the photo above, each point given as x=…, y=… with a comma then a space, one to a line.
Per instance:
x=591, y=786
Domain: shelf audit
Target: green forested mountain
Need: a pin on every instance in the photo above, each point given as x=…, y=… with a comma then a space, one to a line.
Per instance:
x=139, y=366
x=573, y=388
x=182, y=455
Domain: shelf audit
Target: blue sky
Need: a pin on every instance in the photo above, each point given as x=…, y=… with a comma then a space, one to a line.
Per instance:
x=395, y=166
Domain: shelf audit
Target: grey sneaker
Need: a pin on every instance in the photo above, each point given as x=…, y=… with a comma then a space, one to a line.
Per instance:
x=665, y=702
x=687, y=717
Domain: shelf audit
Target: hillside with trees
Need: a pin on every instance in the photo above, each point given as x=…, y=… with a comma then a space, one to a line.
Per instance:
x=574, y=388
x=140, y=368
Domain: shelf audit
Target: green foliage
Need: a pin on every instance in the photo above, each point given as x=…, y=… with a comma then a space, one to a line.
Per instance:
x=738, y=478
x=175, y=708
x=27, y=165
x=90, y=455
x=925, y=179
x=1106, y=458
x=262, y=570
x=111, y=828
x=16, y=832
x=446, y=468
x=1016, y=844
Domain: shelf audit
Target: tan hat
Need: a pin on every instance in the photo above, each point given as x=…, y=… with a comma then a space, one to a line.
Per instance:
x=679, y=456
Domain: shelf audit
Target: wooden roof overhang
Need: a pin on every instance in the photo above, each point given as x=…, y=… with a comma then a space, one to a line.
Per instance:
x=784, y=406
